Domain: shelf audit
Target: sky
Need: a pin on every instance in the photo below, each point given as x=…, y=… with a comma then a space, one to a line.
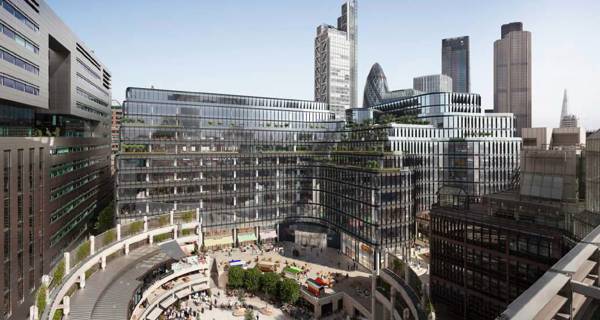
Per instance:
x=265, y=47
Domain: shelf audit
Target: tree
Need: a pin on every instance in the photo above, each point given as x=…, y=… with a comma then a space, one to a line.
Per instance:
x=289, y=291
x=236, y=277
x=252, y=280
x=105, y=219
x=269, y=282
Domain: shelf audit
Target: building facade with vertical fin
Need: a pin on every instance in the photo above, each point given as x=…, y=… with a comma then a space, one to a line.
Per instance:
x=335, y=62
x=55, y=145
x=512, y=74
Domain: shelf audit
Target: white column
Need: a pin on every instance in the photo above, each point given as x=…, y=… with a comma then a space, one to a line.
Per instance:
x=33, y=313
x=82, y=281
x=197, y=214
x=67, y=262
x=118, y=232
x=171, y=217
x=126, y=248
x=175, y=232
x=150, y=239
x=103, y=262
x=66, y=305
x=92, y=245
x=145, y=223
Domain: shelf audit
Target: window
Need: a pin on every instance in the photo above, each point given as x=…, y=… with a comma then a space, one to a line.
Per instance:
x=19, y=15
x=21, y=63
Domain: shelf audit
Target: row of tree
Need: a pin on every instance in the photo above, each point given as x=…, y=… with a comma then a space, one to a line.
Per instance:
x=269, y=283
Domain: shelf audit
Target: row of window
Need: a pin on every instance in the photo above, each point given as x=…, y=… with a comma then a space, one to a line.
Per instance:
x=19, y=85
x=27, y=44
x=17, y=61
x=12, y=9
x=67, y=208
x=73, y=149
x=88, y=69
x=89, y=109
x=64, y=168
x=91, y=97
x=73, y=185
x=69, y=226
x=80, y=76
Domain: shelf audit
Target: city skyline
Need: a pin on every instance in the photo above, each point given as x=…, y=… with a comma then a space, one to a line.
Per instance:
x=270, y=60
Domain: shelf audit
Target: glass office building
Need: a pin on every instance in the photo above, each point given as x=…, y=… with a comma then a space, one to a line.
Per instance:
x=249, y=164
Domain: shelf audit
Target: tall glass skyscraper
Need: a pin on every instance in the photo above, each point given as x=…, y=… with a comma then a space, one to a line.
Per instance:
x=512, y=74
x=455, y=63
x=335, y=62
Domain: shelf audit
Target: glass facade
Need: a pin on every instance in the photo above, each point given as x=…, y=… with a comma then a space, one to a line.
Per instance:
x=335, y=62
x=592, y=159
x=251, y=162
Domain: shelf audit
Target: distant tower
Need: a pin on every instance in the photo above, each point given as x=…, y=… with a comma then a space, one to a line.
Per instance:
x=335, y=61
x=455, y=63
x=512, y=74
x=567, y=120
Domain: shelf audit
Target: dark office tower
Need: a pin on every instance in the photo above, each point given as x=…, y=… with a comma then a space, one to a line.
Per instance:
x=54, y=146
x=512, y=74
x=455, y=63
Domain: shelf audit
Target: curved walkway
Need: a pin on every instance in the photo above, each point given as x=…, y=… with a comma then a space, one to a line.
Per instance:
x=108, y=292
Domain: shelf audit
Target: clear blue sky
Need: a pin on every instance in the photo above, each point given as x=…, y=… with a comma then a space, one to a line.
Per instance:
x=265, y=47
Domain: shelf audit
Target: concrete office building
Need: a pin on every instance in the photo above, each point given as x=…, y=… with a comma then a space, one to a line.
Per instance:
x=554, y=138
x=512, y=74
x=456, y=63
x=592, y=154
x=433, y=83
x=335, y=62
x=55, y=143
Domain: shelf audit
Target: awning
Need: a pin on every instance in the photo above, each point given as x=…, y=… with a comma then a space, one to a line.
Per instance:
x=218, y=241
x=173, y=250
x=245, y=237
x=269, y=234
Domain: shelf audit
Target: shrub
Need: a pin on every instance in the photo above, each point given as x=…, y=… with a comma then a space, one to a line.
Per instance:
x=59, y=272
x=163, y=220
x=41, y=300
x=187, y=232
x=136, y=227
x=58, y=315
x=83, y=251
x=188, y=216
x=110, y=236
x=162, y=237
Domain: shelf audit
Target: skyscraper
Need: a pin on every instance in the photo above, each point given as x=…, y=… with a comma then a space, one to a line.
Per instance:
x=567, y=120
x=455, y=63
x=335, y=62
x=512, y=74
